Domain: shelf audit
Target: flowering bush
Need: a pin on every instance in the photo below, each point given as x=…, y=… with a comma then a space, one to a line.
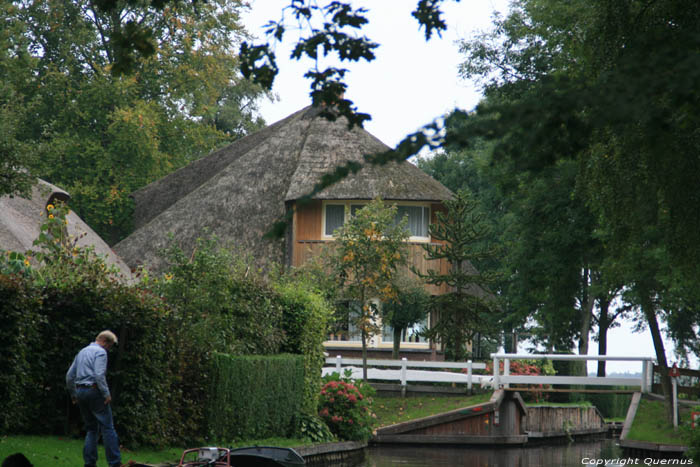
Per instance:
x=535, y=392
x=346, y=407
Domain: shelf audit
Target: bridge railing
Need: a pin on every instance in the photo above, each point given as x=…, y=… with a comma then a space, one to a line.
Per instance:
x=504, y=380
x=406, y=370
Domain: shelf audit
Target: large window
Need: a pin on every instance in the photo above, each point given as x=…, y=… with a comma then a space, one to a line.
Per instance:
x=412, y=334
x=343, y=326
x=336, y=213
x=418, y=219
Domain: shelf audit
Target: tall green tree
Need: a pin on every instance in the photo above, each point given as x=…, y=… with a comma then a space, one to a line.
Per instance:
x=469, y=307
x=367, y=250
x=589, y=81
x=101, y=136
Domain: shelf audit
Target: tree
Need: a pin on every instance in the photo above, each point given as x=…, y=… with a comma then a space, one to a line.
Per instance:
x=101, y=136
x=469, y=308
x=589, y=81
x=408, y=308
x=366, y=253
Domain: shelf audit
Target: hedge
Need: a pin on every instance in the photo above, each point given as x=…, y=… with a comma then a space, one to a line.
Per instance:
x=305, y=322
x=254, y=397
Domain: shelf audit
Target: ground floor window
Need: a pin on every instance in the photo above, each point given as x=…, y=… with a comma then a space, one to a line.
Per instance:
x=411, y=334
x=344, y=329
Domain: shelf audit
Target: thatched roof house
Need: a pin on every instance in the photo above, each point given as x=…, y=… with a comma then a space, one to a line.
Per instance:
x=21, y=220
x=238, y=192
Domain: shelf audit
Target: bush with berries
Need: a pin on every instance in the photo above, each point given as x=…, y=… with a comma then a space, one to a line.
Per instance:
x=346, y=407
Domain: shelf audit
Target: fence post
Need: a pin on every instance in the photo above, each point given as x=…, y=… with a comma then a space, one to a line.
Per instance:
x=496, y=379
x=645, y=376
x=506, y=370
x=404, y=362
x=338, y=366
x=469, y=376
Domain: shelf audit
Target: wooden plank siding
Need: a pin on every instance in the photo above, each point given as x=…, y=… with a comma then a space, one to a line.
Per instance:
x=553, y=420
x=479, y=426
x=308, y=243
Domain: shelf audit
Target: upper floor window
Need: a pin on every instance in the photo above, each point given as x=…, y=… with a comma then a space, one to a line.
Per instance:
x=336, y=213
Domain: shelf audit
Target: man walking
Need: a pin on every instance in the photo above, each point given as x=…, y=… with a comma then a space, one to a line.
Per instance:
x=87, y=383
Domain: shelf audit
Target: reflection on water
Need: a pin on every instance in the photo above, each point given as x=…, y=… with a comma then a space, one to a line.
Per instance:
x=565, y=455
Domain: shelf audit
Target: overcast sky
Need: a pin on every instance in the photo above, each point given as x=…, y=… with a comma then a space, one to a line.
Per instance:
x=409, y=84
x=411, y=81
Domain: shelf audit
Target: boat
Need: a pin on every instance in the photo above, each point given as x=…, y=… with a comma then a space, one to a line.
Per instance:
x=255, y=456
x=265, y=456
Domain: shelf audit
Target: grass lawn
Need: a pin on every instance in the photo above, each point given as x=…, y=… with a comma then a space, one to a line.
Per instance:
x=56, y=451
x=650, y=424
x=393, y=409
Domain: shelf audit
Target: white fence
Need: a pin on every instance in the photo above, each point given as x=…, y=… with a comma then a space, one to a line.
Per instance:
x=405, y=371
x=503, y=380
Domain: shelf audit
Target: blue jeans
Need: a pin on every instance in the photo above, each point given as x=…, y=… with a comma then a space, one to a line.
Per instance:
x=98, y=419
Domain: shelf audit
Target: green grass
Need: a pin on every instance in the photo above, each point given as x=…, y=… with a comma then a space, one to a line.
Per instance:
x=650, y=424
x=67, y=452
x=56, y=451
x=394, y=409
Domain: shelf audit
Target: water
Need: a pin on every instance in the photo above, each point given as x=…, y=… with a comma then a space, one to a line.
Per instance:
x=561, y=455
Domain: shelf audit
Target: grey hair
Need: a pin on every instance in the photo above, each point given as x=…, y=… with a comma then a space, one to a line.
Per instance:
x=107, y=336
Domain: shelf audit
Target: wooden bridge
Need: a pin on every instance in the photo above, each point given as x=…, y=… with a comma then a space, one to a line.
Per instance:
x=505, y=379
x=503, y=420
x=506, y=420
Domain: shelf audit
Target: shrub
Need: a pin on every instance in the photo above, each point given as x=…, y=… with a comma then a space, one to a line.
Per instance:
x=19, y=339
x=346, y=407
x=254, y=396
x=305, y=315
x=528, y=368
x=227, y=305
x=314, y=430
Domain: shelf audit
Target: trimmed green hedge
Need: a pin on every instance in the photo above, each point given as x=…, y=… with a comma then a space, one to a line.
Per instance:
x=19, y=338
x=254, y=396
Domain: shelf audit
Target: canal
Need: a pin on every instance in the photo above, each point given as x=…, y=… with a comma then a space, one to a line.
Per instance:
x=560, y=455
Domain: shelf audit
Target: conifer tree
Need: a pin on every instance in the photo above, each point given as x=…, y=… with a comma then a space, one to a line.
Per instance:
x=469, y=307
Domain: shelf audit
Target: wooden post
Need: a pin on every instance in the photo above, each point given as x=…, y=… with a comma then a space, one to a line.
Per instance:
x=404, y=362
x=506, y=370
x=674, y=382
x=469, y=376
x=496, y=377
x=645, y=376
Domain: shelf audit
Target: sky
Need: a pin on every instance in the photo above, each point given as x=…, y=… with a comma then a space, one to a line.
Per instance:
x=409, y=84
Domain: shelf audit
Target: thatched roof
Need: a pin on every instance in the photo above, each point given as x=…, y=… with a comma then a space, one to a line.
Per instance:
x=21, y=220
x=239, y=191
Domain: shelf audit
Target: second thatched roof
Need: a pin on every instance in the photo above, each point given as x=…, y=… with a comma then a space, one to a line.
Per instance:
x=21, y=220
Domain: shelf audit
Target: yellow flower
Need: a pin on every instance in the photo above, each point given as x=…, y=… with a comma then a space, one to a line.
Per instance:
x=50, y=216
x=26, y=262
x=50, y=207
x=168, y=277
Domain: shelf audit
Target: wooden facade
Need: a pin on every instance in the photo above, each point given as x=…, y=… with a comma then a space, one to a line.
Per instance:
x=308, y=242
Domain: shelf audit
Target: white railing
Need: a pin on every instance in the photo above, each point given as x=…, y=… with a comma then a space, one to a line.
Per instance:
x=503, y=380
x=404, y=373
